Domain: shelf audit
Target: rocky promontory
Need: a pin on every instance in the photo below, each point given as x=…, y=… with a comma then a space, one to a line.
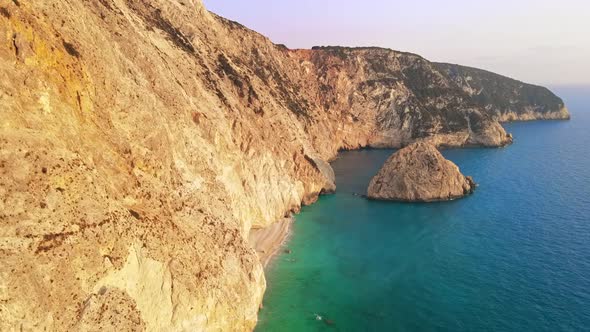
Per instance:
x=419, y=173
x=504, y=98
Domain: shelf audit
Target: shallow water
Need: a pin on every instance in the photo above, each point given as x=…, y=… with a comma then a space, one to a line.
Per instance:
x=514, y=256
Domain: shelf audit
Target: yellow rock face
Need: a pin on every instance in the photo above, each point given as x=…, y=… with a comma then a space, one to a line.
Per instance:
x=131, y=172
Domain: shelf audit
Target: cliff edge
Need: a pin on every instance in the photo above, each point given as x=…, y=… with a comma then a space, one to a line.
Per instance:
x=506, y=99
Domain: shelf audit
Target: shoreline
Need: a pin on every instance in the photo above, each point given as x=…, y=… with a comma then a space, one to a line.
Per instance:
x=268, y=241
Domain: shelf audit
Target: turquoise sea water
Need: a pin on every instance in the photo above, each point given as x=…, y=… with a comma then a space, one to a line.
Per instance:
x=515, y=256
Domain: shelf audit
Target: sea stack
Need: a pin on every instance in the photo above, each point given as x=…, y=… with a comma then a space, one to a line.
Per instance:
x=419, y=173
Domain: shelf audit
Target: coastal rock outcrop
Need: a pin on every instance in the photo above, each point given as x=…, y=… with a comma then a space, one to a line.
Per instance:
x=419, y=173
x=387, y=99
x=141, y=142
x=506, y=99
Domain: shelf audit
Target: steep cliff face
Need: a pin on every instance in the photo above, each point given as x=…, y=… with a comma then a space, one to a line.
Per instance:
x=389, y=99
x=504, y=98
x=135, y=156
x=140, y=142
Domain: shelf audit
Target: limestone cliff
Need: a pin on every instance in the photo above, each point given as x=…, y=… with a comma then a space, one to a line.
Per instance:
x=135, y=155
x=140, y=142
x=419, y=173
x=504, y=98
x=386, y=98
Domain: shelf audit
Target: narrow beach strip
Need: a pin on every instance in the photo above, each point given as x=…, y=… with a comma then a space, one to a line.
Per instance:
x=267, y=241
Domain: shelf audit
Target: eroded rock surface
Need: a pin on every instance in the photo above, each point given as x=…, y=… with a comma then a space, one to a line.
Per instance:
x=504, y=98
x=419, y=173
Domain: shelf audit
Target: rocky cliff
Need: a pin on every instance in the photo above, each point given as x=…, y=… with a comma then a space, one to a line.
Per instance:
x=506, y=99
x=386, y=98
x=141, y=142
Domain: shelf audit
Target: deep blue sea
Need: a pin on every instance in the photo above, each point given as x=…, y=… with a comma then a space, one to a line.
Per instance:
x=515, y=256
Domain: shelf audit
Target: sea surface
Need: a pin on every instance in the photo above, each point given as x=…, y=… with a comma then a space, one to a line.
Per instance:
x=515, y=256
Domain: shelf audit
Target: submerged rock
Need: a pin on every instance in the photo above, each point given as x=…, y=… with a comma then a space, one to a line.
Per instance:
x=419, y=173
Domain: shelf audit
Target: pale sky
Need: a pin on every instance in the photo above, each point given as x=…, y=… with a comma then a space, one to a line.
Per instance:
x=537, y=41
